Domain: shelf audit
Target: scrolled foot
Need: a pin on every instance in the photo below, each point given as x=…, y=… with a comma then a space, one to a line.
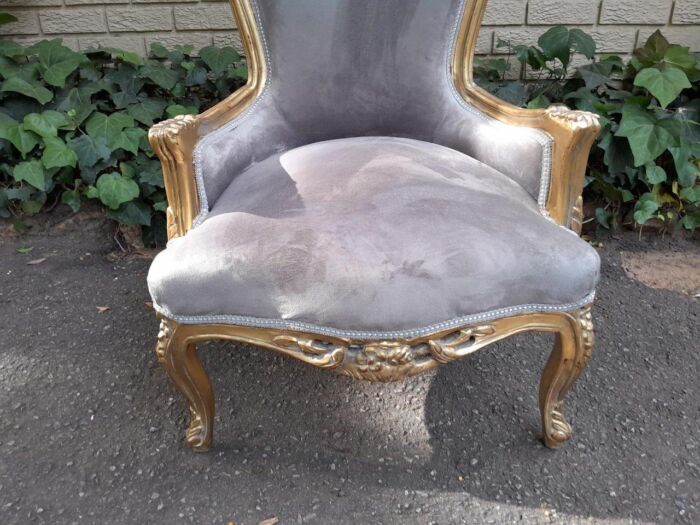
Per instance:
x=197, y=436
x=573, y=346
x=558, y=431
x=180, y=361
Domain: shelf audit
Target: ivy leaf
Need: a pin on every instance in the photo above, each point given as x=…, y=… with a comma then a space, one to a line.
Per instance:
x=647, y=136
x=9, y=48
x=127, y=78
x=653, y=50
x=150, y=172
x=218, y=59
x=582, y=42
x=57, y=154
x=130, y=57
x=645, y=208
x=45, y=124
x=89, y=150
x=129, y=140
x=132, y=213
x=691, y=195
x=147, y=110
x=558, y=42
x=595, y=74
x=691, y=221
x=160, y=75
x=602, y=217
x=71, y=198
x=30, y=171
x=680, y=57
x=58, y=61
x=114, y=190
x=664, y=84
x=77, y=104
x=196, y=76
x=28, y=88
x=107, y=127
x=654, y=174
x=686, y=170
x=7, y=18
x=25, y=141
x=158, y=50
x=241, y=73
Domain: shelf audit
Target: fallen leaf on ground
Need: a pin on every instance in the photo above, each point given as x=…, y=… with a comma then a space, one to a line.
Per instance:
x=148, y=303
x=103, y=309
x=37, y=261
x=270, y=521
x=25, y=250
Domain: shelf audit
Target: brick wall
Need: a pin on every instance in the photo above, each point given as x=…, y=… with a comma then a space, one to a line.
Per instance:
x=617, y=25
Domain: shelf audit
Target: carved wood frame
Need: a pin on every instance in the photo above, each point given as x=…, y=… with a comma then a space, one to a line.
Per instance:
x=572, y=133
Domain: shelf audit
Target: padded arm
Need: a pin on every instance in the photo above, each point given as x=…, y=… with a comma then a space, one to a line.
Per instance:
x=174, y=140
x=572, y=132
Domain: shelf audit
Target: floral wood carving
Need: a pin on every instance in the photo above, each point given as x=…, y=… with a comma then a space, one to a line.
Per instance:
x=571, y=118
x=459, y=344
x=384, y=360
x=173, y=141
x=165, y=332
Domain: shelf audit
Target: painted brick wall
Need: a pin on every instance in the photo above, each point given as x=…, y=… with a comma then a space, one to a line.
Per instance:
x=617, y=25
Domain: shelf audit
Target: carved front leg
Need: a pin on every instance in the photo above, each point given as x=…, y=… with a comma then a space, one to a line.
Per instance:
x=572, y=348
x=180, y=361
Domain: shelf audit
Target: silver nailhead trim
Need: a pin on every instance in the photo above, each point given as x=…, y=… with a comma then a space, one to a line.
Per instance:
x=300, y=326
x=199, y=175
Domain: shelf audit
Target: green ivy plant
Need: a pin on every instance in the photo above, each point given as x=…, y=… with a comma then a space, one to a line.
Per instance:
x=645, y=166
x=73, y=126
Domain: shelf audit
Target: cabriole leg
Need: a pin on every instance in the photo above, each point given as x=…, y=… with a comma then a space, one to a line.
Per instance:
x=572, y=348
x=180, y=361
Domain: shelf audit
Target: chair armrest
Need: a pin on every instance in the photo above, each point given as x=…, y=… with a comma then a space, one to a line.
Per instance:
x=572, y=132
x=174, y=140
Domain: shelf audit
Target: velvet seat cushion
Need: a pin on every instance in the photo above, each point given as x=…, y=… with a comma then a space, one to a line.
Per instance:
x=371, y=236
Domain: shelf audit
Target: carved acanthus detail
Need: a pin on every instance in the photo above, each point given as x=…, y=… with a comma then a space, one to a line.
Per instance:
x=165, y=332
x=323, y=354
x=459, y=344
x=585, y=321
x=173, y=141
x=384, y=360
x=572, y=118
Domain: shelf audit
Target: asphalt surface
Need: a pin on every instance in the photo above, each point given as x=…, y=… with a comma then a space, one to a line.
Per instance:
x=91, y=429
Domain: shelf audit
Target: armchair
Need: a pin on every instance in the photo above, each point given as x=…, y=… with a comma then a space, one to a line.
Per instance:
x=362, y=206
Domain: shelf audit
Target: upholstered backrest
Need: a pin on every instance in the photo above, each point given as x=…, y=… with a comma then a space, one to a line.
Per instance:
x=342, y=68
x=361, y=66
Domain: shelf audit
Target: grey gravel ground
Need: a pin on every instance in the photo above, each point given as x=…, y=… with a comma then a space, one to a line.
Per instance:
x=91, y=429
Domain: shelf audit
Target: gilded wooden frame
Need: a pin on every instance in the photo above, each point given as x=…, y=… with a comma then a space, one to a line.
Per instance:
x=572, y=134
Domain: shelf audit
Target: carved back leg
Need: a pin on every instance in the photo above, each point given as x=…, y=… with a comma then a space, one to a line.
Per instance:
x=572, y=348
x=179, y=359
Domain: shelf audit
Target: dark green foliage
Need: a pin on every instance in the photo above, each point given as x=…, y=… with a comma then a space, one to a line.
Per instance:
x=73, y=126
x=645, y=163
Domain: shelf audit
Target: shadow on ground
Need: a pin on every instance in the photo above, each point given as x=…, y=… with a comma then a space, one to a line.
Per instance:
x=91, y=429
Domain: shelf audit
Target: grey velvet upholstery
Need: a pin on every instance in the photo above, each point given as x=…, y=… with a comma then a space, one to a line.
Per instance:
x=360, y=195
x=368, y=235
x=348, y=68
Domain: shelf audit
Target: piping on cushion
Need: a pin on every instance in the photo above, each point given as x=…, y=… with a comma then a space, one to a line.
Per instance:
x=242, y=320
x=541, y=137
